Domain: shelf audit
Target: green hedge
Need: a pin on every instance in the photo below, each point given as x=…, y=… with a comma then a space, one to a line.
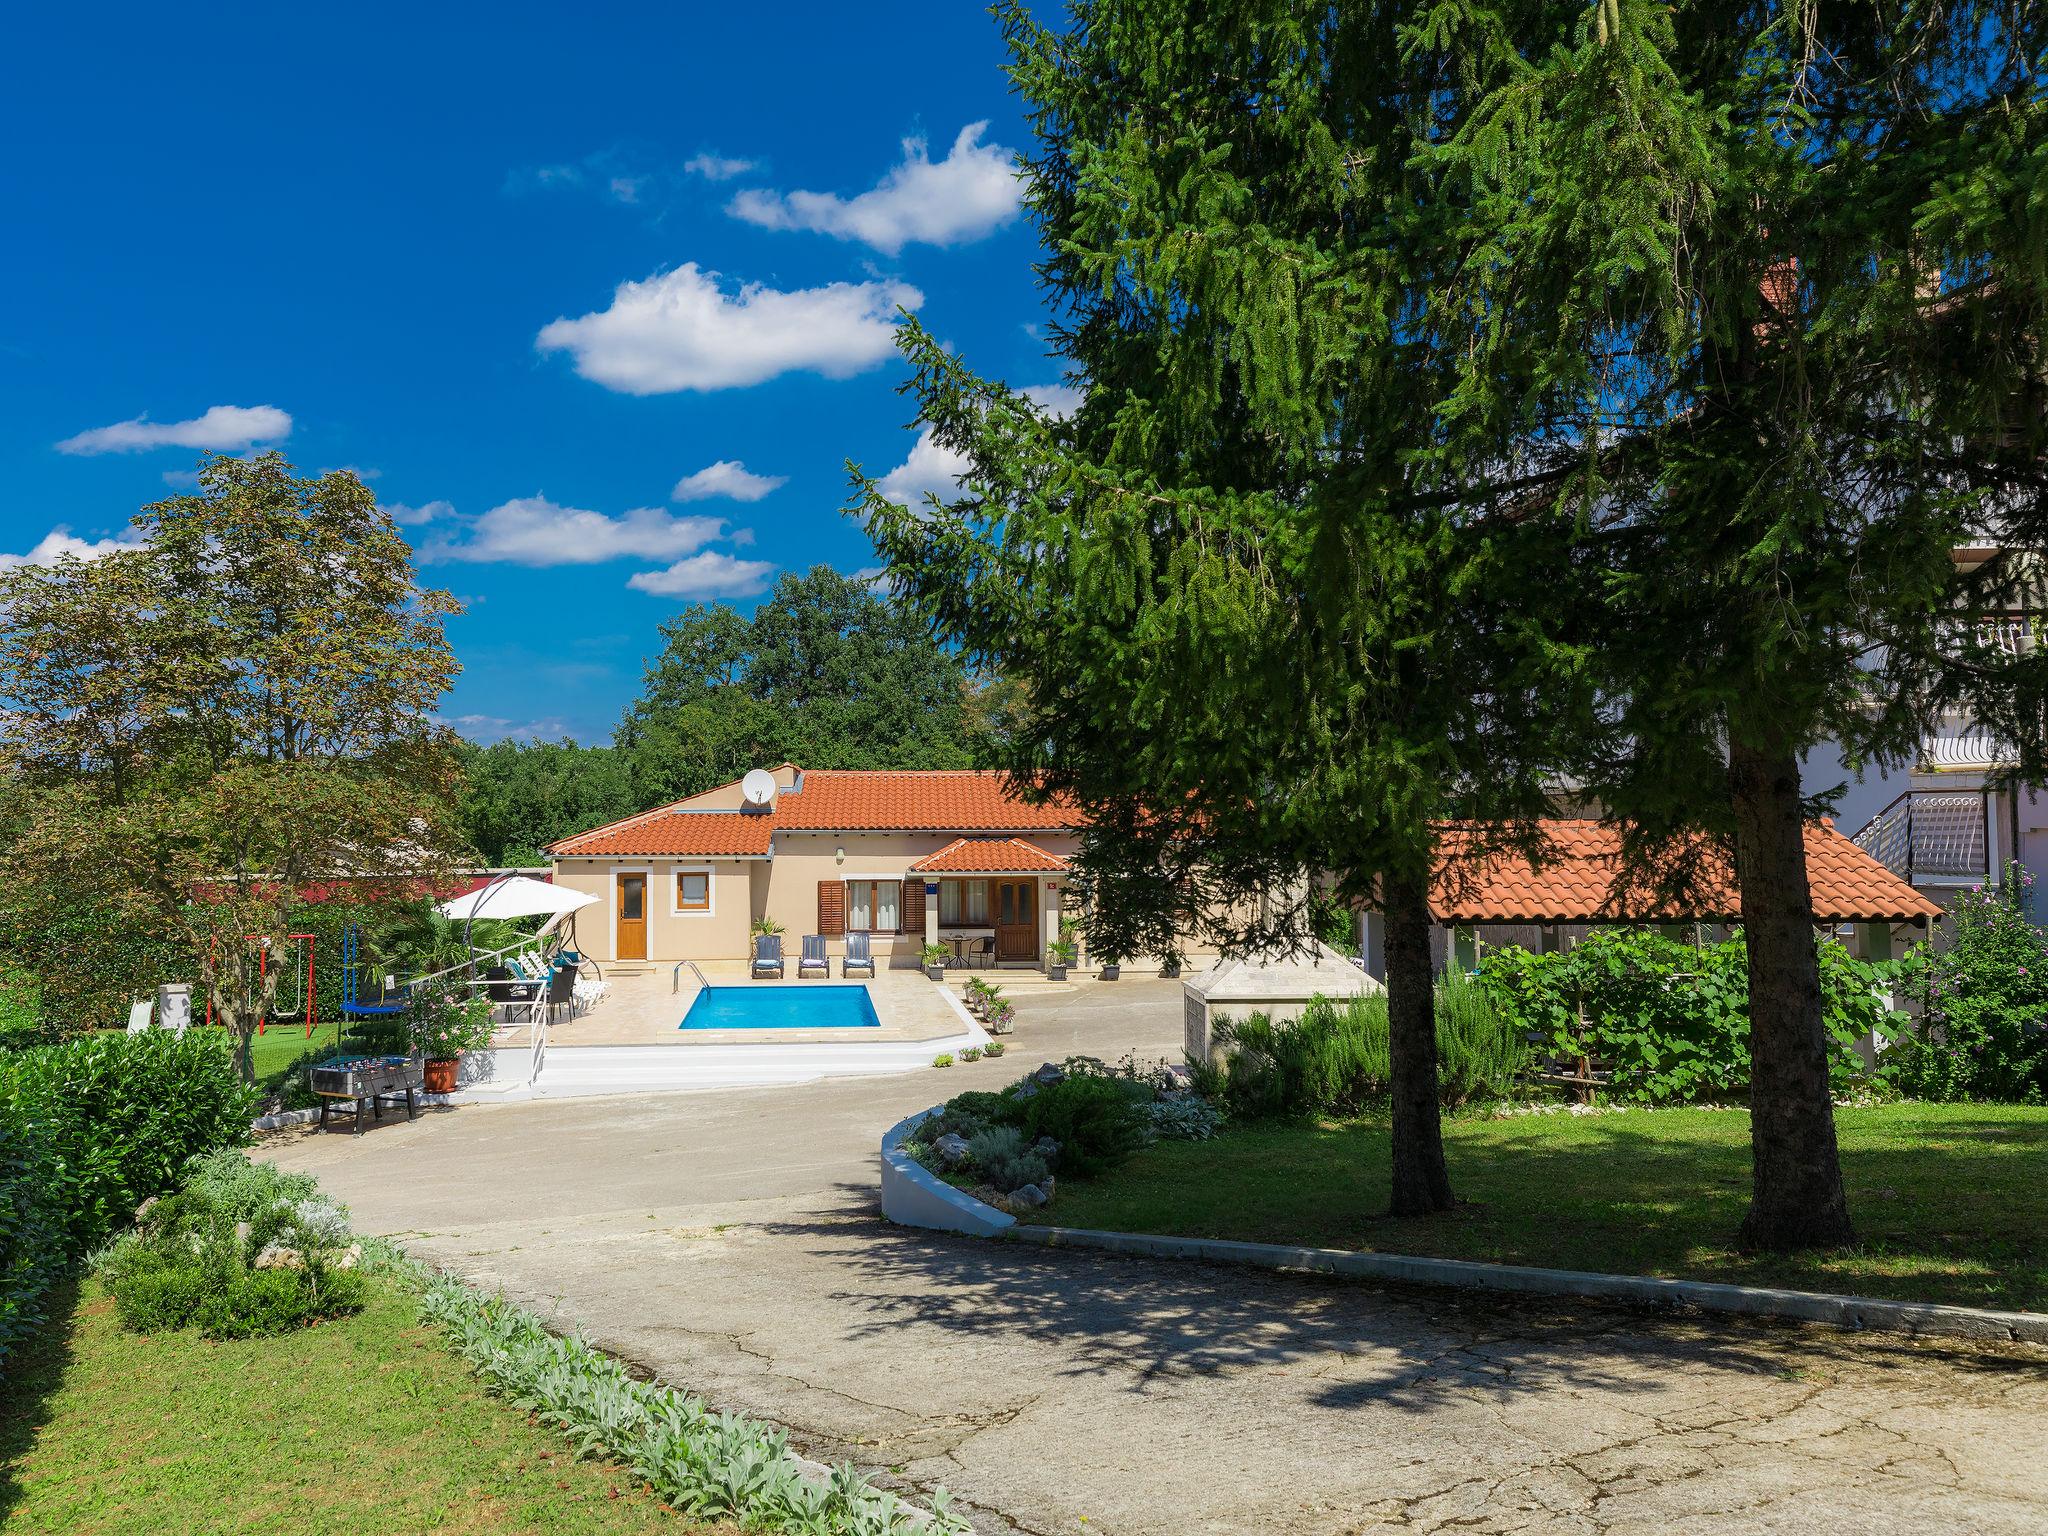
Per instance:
x=91, y=1128
x=32, y=1246
x=1670, y=1018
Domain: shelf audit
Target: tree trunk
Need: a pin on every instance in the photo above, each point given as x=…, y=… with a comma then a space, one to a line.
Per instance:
x=1422, y=1184
x=1796, y=1196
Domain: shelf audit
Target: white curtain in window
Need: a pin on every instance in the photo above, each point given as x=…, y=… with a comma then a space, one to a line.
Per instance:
x=860, y=905
x=888, y=896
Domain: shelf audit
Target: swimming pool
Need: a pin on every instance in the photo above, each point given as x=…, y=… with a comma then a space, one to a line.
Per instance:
x=766, y=1006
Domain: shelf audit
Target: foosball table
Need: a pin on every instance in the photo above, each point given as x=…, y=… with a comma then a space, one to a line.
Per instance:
x=369, y=1080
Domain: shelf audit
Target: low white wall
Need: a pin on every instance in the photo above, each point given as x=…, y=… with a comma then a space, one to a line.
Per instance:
x=914, y=1197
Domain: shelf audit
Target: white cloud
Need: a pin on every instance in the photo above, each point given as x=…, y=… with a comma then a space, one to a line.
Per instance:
x=59, y=542
x=681, y=330
x=222, y=428
x=711, y=574
x=182, y=479
x=489, y=728
x=412, y=517
x=930, y=469
x=714, y=167
x=936, y=470
x=969, y=194
x=532, y=530
x=728, y=478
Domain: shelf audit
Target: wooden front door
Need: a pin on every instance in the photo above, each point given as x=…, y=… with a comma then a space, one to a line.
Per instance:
x=1016, y=919
x=632, y=917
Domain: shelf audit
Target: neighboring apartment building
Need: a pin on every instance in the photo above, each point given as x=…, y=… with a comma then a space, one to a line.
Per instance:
x=1947, y=824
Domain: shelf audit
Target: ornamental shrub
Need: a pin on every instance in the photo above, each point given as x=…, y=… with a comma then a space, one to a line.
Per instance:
x=1336, y=1060
x=119, y=1117
x=1983, y=1032
x=1098, y=1121
x=1671, y=1019
x=1000, y=1155
x=193, y=1260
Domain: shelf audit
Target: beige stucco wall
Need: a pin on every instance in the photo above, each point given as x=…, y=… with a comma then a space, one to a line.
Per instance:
x=719, y=933
x=784, y=888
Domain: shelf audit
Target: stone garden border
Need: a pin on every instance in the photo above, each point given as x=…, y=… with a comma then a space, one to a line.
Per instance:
x=913, y=1197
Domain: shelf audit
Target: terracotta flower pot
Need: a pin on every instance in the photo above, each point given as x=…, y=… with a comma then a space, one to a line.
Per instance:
x=441, y=1076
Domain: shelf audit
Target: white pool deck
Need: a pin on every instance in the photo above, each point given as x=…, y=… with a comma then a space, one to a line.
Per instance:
x=631, y=1040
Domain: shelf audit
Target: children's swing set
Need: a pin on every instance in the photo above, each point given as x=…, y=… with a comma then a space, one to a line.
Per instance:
x=306, y=1005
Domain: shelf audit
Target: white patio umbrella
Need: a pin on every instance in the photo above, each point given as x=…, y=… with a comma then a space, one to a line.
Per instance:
x=515, y=896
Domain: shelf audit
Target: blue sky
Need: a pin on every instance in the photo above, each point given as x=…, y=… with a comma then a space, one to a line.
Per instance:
x=545, y=276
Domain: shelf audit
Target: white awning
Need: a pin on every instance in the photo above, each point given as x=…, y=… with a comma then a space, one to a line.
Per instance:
x=515, y=896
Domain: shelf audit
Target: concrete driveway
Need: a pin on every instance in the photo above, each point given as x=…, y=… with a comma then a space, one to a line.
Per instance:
x=730, y=1242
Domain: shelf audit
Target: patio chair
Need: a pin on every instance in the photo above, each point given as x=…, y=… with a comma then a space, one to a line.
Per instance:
x=858, y=956
x=562, y=991
x=814, y=957
x=982, y=952
x=768, y=956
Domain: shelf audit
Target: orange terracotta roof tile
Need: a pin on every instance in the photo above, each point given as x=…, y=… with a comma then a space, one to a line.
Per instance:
x=891, y=800
x=991, y=856
x=1575, y=884
x=832, y=800
x=684, y=834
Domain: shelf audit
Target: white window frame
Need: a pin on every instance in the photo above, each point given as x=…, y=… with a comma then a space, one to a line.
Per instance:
x=872, y=881
x=675, y=891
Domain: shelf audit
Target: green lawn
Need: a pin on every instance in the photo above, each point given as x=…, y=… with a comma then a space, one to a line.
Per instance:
x=1950, y=1201
x=366, y=1424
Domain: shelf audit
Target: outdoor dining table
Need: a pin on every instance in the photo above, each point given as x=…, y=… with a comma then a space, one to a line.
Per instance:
x=960, y=938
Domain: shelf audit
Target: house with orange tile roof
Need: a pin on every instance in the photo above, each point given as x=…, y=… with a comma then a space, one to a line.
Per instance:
x=1484, y=897
x=908, y=857
x=959, y=858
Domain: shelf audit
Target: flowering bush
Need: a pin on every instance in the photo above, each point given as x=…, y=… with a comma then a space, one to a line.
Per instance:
x=1984, y=1001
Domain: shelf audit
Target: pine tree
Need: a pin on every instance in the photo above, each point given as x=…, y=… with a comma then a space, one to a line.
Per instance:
x=1761, y=285
x=1269, y=613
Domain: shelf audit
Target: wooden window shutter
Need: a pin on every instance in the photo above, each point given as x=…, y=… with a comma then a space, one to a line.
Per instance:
x=912, y=906
x=832, y=908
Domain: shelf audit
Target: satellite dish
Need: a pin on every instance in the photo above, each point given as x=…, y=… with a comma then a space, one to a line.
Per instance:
x=758, y=787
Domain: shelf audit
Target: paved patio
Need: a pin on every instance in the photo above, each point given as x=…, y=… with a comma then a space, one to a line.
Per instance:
x=729, y=1241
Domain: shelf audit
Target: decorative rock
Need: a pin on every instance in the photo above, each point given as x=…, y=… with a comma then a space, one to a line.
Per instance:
x=1030, y=1197
x=277, y=1256
x=1050, y=1074
x=951, y=1149
x=348, y=1258
x=142, y=1211
x=242, y=1231
x=1028, y=1089
x=1046, y=1148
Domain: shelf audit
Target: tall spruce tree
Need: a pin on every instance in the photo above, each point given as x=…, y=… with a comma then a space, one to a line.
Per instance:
x=1761, y=284
x=1269, y=612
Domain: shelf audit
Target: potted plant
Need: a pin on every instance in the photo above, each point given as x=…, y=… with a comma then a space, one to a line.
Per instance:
x=766, y=925
x=442, y=1026
x=935, y=956
x=1060, y=954
x=1112, y=966
x=1169, y=963
x=1000, y=1017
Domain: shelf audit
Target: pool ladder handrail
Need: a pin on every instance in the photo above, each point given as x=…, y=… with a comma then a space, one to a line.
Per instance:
x=675, y=977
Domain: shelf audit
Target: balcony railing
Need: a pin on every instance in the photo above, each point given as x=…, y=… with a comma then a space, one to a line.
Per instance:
x=1933, y=837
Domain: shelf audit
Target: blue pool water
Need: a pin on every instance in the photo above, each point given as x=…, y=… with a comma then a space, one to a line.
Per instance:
x=763, y=1005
